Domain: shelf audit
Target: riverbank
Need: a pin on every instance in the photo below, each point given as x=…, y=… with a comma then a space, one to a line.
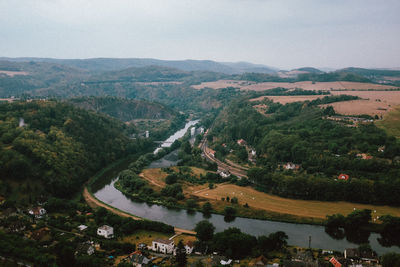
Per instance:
x=93, y=202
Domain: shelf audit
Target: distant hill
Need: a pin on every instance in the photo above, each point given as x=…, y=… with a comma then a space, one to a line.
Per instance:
x=372, y=72
x=125, y=109
x=310, y=70
x=114, y=64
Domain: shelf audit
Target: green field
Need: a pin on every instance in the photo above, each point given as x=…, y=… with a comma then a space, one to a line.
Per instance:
x=391, y=123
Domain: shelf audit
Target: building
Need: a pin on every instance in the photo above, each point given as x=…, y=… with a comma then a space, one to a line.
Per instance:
x=364, y=156
x=192, y=131
x=86, y=248
x=163, y=246
x=211, y=152
x=82, y=227
x=291, y=166
x=38, y=212
x=224, y=173
x=189, y=247
x=106, y=231
x=138, y=259
x=241, y=142
x=343, y=176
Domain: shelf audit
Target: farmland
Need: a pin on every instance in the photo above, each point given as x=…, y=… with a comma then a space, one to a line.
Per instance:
x=305, y=85
x=391, y=122
x=301, y=208
x=259, y=201
x=372, y=102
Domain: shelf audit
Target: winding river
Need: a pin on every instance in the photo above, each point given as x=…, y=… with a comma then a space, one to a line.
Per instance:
x=298, y=233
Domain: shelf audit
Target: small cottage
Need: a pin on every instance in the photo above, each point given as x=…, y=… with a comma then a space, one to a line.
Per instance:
x=38, y=212
x=105, y=231
x=163, y=246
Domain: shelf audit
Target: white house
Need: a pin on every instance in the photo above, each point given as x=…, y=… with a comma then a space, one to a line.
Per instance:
x=38, y=212
x=224, y=173
x=189, y=247
x=106, y=231
x=82, y=227
x=163, y=246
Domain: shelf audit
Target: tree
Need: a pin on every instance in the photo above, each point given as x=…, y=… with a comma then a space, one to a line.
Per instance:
x=180, y=257
x=391, y=259
x=233, y=243
x=204, y=231
x=207, y=208
x=229, y=211
x=171, y=179
x=191, y=204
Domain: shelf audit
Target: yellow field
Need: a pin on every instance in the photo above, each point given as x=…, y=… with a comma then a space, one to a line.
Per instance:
x=302, y=208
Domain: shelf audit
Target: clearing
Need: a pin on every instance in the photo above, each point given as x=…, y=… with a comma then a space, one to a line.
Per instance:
x=13, y=73
x=302, y=208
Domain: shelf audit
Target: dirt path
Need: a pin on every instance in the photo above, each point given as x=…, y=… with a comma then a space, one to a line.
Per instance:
x=95, y=203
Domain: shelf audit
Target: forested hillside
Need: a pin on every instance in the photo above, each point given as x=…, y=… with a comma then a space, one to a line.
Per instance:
x=125, y=109
x=298, y=133
x=52, y=147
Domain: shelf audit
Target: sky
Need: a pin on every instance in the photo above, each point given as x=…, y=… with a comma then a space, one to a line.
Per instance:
x=282, y=33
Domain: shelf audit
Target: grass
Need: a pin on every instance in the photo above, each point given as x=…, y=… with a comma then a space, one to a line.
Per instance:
x=146, y=237
x=391, y=122
x=295, y=207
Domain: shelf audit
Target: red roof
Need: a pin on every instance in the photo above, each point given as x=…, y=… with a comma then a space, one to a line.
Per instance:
x=343, y=177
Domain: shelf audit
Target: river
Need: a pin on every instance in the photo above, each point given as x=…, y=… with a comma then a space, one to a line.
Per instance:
x=298, y=233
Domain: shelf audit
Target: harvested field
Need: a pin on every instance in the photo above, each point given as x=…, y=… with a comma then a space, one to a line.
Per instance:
x=13, y=73
x=373, y=103
x=358, y=107
x=305, y=85
x=288, y=99
x=222, y=84
x=303, y=208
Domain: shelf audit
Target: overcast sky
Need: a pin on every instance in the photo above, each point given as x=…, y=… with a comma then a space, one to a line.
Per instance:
x=280, y=33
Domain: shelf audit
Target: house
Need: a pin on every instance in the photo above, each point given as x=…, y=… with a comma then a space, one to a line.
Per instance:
x=163, y=246
x=82, y=227
x=261, y=261
x=189, y=247
x=343, y=176
x=225, y=262
x=356, y=254
x=106, y=231
x=364, y=156
x=138, y=259
x=241, y=142
x=142, y=246
x=211, y=152
x=224, y=173
x=291, y=166
x=42, y=234
x=38, y=212
x=381, y=149
x=335, y=262
x=85, y=248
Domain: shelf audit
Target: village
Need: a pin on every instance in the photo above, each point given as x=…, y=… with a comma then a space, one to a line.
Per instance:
x=149, y=247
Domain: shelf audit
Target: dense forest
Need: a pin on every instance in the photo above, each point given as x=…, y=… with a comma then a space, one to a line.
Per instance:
x=298, y=133
x=53, y=147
